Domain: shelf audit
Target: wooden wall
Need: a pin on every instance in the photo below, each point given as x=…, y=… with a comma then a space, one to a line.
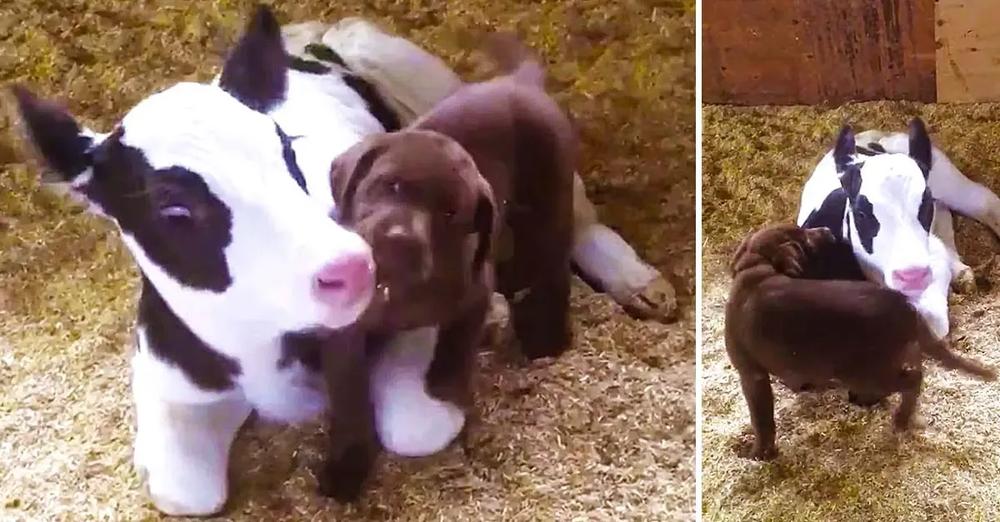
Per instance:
x=759, y=52
x=968, y=50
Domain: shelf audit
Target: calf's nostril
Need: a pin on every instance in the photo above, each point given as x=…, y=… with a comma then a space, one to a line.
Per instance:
x=345, y=278
x=912, y=275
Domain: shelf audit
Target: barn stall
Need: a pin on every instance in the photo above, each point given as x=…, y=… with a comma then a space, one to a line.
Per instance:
x=605, y=432
x=780, y=78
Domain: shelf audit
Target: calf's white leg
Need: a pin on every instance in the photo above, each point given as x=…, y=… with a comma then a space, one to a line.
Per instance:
x=182, y=448
x=962, y=279
x=963, y=195
x=409, y=421
x=605, y=258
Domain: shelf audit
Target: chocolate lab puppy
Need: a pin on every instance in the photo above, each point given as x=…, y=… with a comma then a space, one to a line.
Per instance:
x=852, y=334
x=430, y=200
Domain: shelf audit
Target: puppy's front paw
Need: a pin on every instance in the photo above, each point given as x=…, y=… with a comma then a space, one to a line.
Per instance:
x=763, y=452
x=343, y=476
x=902, y=424
x=657, y=300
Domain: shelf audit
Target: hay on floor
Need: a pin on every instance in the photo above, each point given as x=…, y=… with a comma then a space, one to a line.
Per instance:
x=837, y=461
x=606, y=432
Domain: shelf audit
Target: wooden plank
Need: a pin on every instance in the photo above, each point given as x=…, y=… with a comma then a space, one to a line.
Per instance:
x=811, y=52
x=968, y=50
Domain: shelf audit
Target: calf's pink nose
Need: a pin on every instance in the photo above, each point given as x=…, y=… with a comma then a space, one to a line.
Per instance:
x=344, y=281
x=913, y=278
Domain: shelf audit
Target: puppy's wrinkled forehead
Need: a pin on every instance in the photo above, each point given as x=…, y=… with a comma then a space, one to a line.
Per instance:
x=423, y=153
x=436, y=161
x=776, y=235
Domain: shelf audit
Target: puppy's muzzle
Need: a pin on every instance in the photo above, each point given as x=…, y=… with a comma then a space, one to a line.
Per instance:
x=403, y=253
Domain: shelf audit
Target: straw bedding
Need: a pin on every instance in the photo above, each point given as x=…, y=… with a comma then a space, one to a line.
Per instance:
x=604, y=433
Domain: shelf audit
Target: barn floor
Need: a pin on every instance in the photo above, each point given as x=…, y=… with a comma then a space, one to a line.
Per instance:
x=604, y=433
x=837, y=461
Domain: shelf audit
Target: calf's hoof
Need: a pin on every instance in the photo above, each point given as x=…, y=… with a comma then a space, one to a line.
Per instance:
x=964, y=282
x=419, y=427
x=657, y=300
x=344, y=476
x=178, y=499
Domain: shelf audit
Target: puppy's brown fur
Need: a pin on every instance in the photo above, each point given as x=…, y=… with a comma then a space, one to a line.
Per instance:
x=852, y=334
x=430, y=200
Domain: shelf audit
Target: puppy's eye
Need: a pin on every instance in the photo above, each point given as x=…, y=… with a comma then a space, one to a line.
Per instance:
x=450, y=214
x=175, y=214
x=396, y=187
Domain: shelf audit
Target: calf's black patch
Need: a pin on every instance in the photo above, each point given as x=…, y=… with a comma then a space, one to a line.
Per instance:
x=377, y=106
x=170, y=340
x=836, y=261
x=308, y=66
x=861, y=208
x=288, y=154
x=865, y=222
x=926, y=212
x=325, y=53
x=830, y=214
x=191, y=249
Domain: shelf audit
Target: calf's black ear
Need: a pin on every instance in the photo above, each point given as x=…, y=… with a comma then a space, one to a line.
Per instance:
x=844, y=148
x=59, y=140
x=256, y=71
x=920, y=145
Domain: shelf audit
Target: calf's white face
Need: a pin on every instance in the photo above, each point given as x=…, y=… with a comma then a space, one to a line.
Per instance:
x=208, y=197
x=889, y=209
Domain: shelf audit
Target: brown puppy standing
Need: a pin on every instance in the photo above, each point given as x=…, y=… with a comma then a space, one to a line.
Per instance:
x=430, y=200
x=853, y=334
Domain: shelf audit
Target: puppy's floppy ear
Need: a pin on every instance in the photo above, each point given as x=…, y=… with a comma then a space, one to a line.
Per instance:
x=788, y=259
x=484, y=223
x=346, y=174
x=738, y=255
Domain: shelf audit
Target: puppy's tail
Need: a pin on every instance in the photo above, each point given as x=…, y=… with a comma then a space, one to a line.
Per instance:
x=940, y=350
x=515, y=58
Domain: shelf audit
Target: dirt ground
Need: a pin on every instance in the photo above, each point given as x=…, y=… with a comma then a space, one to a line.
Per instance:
x=604, y=433
x=837, y=461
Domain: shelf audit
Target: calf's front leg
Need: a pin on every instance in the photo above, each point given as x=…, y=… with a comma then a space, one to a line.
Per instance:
x=962, y=278
x=182, y=448
x=410, y=421
x=608, y=261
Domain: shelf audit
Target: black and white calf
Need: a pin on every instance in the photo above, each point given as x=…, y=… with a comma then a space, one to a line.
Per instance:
x=890, y=195
x=221, y=193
